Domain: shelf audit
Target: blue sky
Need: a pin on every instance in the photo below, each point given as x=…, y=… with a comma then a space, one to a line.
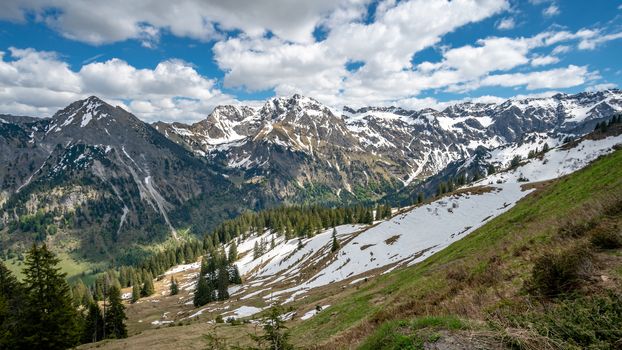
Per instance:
x=175, y=61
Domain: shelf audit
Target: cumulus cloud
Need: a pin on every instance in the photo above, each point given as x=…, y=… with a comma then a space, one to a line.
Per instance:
x=591, y=42
x=99, y=22
x=271, y=46
x=543, y=60
x=39, y=83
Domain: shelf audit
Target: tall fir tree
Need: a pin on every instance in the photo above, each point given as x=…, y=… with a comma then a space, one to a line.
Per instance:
x=50, y=321
x=114, y=320
x=223, y=282
x=335, y=247
x=11, y=301
x=148, y=288
x=233, y=252
x=203, y=292
x=135, y=292
x=93, y=330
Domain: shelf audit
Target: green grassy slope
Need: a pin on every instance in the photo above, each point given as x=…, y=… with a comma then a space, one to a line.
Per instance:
x=474, y=277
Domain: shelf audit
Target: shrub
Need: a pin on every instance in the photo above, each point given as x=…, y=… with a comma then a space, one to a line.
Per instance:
x=575, y=230
x=557, y=273
x=584, y=323
x=607, y=238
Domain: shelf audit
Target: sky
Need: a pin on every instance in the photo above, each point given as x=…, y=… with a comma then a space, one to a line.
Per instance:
x=177, y=60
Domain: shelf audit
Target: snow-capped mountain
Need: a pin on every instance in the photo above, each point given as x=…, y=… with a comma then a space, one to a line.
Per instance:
x=297, y=142
x=100, y=172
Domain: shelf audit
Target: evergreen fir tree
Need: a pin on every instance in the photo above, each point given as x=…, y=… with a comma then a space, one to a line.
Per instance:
x=148, y=288
x=275, y=332
x=135, y=292
x=11, y=301
x=234, y=276
x=49, y=318
x=335, y=247
x=93, y=330
x=114, y=320
x=223, y=282
x=203, y=292
x=174, y=287
x=233, y=252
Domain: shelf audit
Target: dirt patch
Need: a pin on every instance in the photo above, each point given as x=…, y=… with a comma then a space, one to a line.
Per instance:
x=391, y=240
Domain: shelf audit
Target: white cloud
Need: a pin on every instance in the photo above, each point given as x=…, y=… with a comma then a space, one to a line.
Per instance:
x=99, y=22
x=551, y=10
x=591, y=42
x=561, y=49
x=600, y=87
x=550, y=79
x=39, y=83
x=506, y=24
x=543, y=60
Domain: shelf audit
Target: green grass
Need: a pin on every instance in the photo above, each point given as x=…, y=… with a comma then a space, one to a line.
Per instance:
x=73, y=268
x=530, y=224
x=401, y=334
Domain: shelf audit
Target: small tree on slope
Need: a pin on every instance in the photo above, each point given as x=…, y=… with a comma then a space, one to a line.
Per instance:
x=115, y=315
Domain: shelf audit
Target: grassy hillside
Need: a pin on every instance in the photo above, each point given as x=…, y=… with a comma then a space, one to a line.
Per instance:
x=468, y=290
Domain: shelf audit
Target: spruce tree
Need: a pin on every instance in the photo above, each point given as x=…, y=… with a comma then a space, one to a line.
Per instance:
x=148, y=288
x=335, y=247
x=174, y=286
x=223, y=282
x=49, y=318
x=114, y=320
x=93, y=330
x=11, y=301
x=233, y=252
x=203, y=292
x=135, y=292
x=275, y=332
x=234, y=276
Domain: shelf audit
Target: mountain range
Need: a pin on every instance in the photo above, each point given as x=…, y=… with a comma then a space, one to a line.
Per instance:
x=103, y=182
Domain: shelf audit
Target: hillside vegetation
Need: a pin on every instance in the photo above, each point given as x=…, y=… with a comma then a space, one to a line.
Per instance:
x=484, y=291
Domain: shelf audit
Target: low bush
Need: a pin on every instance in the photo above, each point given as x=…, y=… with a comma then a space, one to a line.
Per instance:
x=583, y=323
x=607, y=238
x=558, y=273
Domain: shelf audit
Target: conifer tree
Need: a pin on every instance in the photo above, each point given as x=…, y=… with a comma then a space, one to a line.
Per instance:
x=335, y=247
x=203, y=292
x=233, y=252
x=135, y=292
x=93, y=330
x=174, y=286
x=11, y=300
x=148, y=288
x=49, y=318
x=114, y=320
x=275, y=332
x=234, y=276
x=223, y=282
